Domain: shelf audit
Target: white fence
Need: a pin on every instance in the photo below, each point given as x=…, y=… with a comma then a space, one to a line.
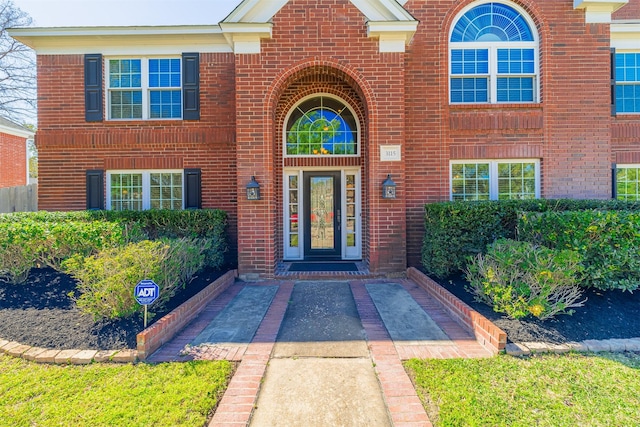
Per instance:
x=19, y=199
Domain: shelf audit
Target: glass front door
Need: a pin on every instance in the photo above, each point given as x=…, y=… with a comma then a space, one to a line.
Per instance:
x=322, y=214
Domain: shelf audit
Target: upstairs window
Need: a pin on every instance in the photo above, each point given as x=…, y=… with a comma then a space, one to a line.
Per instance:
x=144, y=88
x=493, y=56
x=627, y=82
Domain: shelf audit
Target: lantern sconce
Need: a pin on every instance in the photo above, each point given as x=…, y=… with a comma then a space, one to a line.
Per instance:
x=253, y=189
x=388, y=188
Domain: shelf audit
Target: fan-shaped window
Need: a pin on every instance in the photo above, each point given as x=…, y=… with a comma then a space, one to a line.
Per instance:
x=493, y=56
x=321, y=126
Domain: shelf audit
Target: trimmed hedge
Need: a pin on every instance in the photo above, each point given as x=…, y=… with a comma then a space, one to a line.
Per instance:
x=607, y=241
x=454, y=231
x=33, y=239
x=30, y=243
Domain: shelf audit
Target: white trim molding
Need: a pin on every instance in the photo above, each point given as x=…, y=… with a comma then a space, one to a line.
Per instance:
x=625, y=35
x=598, y=11
x=244, y=37
x=165, y=40
x=393, y=36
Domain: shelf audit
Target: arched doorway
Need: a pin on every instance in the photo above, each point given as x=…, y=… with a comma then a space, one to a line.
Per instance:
x=322, y=180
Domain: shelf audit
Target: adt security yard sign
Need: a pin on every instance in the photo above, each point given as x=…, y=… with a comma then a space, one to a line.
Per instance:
x=146, y=292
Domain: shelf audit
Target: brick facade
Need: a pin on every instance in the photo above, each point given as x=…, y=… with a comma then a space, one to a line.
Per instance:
x=322, y=47
x=13, y=160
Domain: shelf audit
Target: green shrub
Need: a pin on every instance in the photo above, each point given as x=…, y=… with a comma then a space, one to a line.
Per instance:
x=106, y=280
x=32, y=239
x=456, y=230
x=608, y=242
x=19, y=244
x=521, y=279
x=202, y=223
x=31, y=243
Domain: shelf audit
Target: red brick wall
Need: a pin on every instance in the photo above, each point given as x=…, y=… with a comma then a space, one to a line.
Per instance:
x=68, y=145
x=328, y=37
x=569, y=130
x=13, y=160
x=629, y=11
x=402, y=98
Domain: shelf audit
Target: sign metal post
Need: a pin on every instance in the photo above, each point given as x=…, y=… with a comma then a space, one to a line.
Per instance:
x=146, y=292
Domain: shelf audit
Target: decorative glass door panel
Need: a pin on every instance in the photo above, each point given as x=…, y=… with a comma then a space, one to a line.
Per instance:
x=323, y=214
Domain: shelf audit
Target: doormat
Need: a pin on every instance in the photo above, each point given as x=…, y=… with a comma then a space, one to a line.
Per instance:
x=323, y=266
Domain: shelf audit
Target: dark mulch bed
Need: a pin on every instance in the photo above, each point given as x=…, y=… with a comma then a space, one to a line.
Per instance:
x=605, y=315
x=40, y=313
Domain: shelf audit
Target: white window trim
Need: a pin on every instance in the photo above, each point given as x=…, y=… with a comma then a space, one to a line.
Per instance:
x=622, y=166
x=146, y=184
x=145, y=89
x=292, y=253
x=315, y=95
x=493, y=57
x=493, y=173
x=624, y=83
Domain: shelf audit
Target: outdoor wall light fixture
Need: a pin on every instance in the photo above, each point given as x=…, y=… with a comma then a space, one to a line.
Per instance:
x=253, y=189
x=388, y=188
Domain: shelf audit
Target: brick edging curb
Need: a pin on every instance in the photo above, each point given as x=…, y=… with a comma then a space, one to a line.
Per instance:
x=593, y=346
x=166, y=328
x=148, y=340
x=65, y=357
x=487, y=334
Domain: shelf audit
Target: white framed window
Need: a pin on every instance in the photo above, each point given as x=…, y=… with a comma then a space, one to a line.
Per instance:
x=627, y=183
x=493, y=55
x=627, y=81
x=142, y=190
x=144, y=88
x=495, y=179
x=321, y=125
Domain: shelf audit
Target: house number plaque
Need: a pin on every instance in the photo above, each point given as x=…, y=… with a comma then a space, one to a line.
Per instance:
x=390, y=153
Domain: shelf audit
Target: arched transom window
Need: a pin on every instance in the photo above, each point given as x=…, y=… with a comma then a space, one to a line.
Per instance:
x=319, y=126
x=493, y=56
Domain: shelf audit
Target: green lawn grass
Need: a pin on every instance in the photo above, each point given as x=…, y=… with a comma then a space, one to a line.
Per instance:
x=167, y=394
x=545, y=390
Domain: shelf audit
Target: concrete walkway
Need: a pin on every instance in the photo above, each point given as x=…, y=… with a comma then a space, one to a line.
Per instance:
x=323, y=354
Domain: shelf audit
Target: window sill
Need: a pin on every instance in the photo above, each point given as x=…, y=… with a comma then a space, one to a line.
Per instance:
x=493, y=107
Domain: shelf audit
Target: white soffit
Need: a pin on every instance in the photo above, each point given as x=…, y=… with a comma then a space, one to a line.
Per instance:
x=598, y=11
x=625, y=35
x=123, y=40
x=26, y=134
x=256, y=11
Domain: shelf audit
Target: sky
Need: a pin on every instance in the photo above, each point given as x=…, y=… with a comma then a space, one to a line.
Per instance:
x=82, y=13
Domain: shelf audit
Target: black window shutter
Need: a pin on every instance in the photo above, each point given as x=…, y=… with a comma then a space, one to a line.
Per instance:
x=193, y=190
x=613, y=81
x=191, y=86
x=95, y=190
x=93, y=87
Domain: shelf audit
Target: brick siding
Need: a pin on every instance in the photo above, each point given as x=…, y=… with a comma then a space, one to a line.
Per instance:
x=13, y=160
x=401, y=98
